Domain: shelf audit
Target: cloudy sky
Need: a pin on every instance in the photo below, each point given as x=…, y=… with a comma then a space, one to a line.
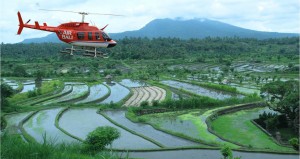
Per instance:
x=262, y=15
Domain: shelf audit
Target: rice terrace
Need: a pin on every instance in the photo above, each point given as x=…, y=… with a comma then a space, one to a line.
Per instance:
x=165, y=95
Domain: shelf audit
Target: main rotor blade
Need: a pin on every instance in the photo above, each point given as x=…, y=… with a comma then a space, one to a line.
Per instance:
x=58, y=10
x=86, y=13
x=105, y=14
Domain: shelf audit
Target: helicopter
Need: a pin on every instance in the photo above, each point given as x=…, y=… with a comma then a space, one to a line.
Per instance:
x=80, y=35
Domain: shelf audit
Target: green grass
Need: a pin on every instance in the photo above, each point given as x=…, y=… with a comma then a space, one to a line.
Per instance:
x=12, y=146
x=237, y=127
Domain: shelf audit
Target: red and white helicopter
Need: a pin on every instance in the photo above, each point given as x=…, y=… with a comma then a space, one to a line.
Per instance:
x=79, y=34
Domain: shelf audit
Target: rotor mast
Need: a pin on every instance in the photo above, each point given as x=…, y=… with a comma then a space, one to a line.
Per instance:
x=83, y=15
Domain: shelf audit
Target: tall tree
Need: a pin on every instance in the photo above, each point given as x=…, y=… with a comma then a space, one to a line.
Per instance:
x=6, y=91
x=284, y=98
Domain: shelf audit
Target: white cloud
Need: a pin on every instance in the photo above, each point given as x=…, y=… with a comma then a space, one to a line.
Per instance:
x=264, y=15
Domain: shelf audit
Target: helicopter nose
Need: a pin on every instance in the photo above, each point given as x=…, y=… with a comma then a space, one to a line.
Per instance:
x=111, y=44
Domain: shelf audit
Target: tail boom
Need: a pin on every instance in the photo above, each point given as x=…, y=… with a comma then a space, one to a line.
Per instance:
x=21, y=24
x=36, y=25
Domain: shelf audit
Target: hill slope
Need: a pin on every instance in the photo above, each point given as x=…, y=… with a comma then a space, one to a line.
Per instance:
x=196, y=28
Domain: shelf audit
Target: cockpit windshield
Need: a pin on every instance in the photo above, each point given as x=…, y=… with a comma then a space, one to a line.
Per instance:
x=105, y=36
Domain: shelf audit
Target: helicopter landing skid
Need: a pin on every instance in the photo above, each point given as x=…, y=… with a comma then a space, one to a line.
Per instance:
x=91, y=53
x=68, y=50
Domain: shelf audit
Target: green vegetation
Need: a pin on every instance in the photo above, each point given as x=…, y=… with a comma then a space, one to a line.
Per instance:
x=46, y=89
x=6, y=91
x=144, y=48
x=101, y=137
x=196, y=103
x=12, y=146
x=227, y=153
x=237, y=63
x=221, y=87
x=295, y=143
x=238, y=128
x=197, y=117
x=283, y=97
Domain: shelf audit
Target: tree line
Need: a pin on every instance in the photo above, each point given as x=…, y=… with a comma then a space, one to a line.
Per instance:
x=168, y=48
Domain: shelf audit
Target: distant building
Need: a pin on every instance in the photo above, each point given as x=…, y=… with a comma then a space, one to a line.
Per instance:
x=225, y=81
x=109, y=79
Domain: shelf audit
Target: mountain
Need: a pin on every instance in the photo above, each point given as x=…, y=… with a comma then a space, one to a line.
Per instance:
x=184, y=29
x=51, y=38
x=196, y=28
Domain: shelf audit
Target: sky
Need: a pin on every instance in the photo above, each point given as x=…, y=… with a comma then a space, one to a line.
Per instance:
x=261, y=15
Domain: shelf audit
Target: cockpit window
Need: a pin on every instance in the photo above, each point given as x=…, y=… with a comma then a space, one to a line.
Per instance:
x=105, y=36
x=80, y=35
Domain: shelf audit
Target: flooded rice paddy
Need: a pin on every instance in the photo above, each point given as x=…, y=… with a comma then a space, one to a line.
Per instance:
x=118, y=92
x=80, y=122
x=206, y=154
x=27, y=88
x=42, y=123
x=191, y=124
x=132, y=84
x=147, y=130
x=13, y=121
x=200, y=90
x=96, y=92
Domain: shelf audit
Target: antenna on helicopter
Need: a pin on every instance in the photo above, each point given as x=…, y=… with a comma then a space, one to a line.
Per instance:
x=82, y=13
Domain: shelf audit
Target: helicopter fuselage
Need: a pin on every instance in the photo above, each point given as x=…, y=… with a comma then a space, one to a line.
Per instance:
x=74, y=33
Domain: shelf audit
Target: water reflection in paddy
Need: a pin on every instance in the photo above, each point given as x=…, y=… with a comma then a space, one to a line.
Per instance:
x=96, y=92
x=27, y=88
x=118, y=92
x=147, y=130
x=43, y=123
x=131, y=83
x=80, y=122
x=200, y=90
x=13, y=121
x=205, y=154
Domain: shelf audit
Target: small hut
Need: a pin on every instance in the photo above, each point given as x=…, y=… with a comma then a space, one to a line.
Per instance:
x=38, y=82
x=109, y=79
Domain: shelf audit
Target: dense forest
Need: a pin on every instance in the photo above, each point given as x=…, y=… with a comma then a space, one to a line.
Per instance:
x=23, y=60
x=167, y=48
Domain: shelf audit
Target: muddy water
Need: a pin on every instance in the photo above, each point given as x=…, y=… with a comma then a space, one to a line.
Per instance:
x=96, y=92
x=205, y=154
x=80, y=122
x=43, y=122
x=118, y=92
x=200, y=90
x=147, y=130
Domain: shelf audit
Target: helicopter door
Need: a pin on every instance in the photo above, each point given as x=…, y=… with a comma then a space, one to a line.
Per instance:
x=97, y=35
x=90, y=37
